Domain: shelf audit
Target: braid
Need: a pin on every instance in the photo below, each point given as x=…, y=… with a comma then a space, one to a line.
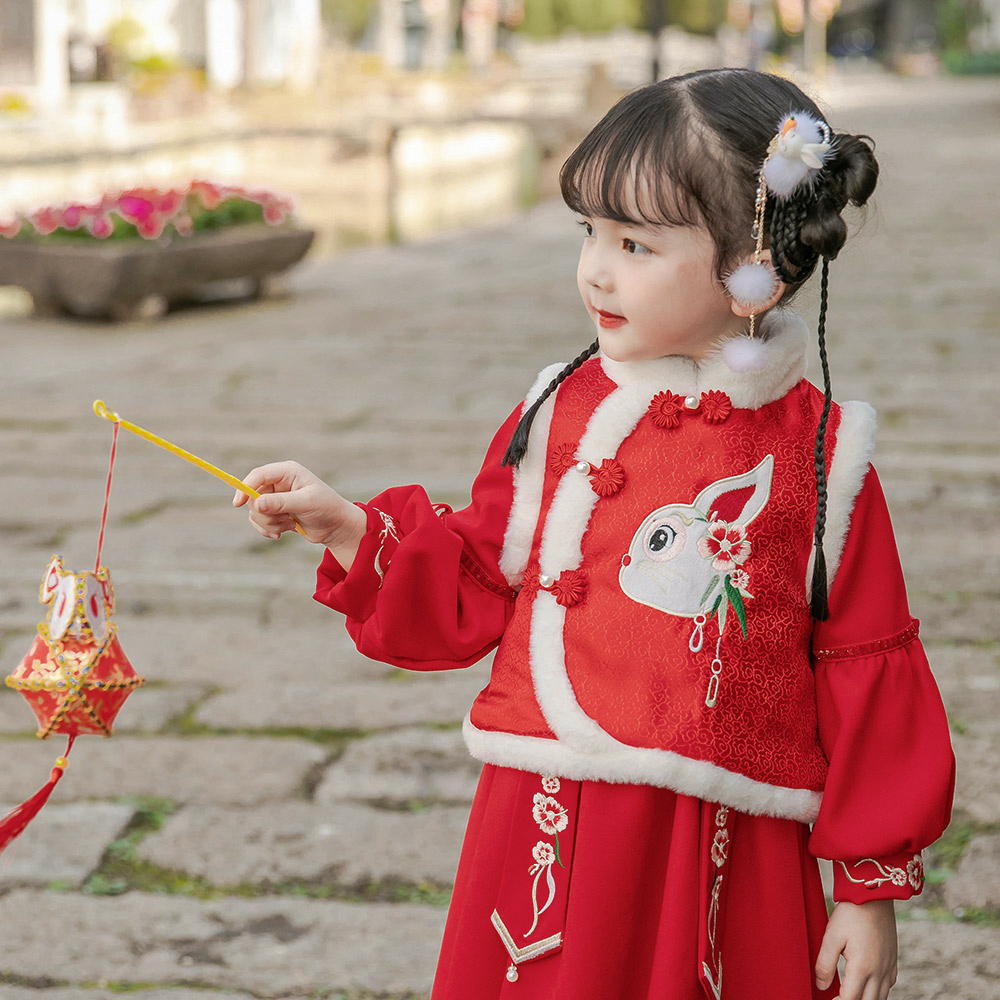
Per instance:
x=818, y=604
x=519, y=439
x=793, y=260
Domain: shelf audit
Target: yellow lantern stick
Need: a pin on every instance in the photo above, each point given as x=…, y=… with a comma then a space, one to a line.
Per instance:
x=102, y=411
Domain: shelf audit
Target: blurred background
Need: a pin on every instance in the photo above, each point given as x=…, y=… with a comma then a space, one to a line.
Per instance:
x=365, y=110
x=276, y=815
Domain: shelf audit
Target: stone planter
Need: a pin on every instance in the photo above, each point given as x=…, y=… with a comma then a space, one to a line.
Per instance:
x=134, y=279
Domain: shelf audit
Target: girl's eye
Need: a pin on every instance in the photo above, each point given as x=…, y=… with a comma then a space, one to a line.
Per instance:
x=630, y=246
x=587, y=227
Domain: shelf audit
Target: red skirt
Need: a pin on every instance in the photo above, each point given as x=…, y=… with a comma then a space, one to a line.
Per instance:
x=577, y=890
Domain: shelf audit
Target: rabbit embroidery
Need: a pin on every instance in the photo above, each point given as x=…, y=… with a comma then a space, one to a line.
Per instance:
x=686, y=559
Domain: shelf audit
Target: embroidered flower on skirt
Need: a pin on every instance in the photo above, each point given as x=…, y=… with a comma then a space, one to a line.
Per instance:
x=571, y=587
x=915, y=872
x=562, y=458
x=550, y=783
x=543, y=853
x=715, y=406
x=720, y=848
x=665, y=409
x=608, y=478
x=726, y=545
x=721, y=815
x=549, y=814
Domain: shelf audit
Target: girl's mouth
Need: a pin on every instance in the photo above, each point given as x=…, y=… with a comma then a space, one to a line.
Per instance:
x=610, y=321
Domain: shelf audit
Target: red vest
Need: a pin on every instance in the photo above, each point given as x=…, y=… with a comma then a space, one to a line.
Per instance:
x=662, y=632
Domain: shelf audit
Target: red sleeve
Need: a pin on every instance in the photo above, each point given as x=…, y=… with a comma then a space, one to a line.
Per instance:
x=425, y=590
x=881, y=720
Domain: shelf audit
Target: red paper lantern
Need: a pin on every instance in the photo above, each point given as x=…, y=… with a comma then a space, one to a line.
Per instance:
x=75, y=676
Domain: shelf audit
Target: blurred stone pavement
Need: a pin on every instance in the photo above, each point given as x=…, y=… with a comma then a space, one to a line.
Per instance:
x=279, y=817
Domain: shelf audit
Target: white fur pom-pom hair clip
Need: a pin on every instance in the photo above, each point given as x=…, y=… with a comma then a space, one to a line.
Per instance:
x=799, y=149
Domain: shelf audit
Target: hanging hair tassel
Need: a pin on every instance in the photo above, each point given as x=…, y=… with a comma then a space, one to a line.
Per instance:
x=14, y=823
x=818, y=602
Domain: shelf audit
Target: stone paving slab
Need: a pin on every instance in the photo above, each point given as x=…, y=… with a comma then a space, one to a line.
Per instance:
x=396, y=699
x=977, y=791
x=941, y=961
x=270, y=946
x=421, y=764
x=340, y=843
x=101, y=992
x=234, y=770
x=977, y=881
x=64, y=843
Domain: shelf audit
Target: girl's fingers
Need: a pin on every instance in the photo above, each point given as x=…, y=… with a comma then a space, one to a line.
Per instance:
x=854, y=987
x=826, y=961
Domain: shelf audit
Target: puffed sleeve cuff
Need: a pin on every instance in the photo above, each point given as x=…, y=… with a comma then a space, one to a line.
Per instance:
x=354, y=592
x=897, y=876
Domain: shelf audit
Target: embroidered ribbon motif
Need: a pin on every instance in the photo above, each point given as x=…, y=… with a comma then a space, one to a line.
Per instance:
x=545, y=858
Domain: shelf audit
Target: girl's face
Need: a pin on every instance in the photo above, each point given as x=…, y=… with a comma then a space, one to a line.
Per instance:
x=652, y=290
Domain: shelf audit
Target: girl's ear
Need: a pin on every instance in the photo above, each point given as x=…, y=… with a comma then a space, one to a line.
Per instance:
x=754, y=287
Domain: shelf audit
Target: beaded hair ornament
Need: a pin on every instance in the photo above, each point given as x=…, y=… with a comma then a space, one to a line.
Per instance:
x=791, y=170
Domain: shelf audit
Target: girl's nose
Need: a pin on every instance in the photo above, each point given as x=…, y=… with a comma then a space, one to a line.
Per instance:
x=594, y=270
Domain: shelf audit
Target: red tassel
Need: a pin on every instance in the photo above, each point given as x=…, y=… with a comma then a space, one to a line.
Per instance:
x=14, y=823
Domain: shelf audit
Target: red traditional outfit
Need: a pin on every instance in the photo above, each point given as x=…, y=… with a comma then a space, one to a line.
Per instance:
x=664, y=721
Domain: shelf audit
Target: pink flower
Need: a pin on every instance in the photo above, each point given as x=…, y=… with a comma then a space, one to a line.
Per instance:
x=715, y=406
x=608, y=478
x=12, y=228
x=274, y=211
x=210, y=194
x=665, y=410
x=46, y=221
x=549, y=814
x=151, y=228
x=100, y=226
x=899, y=877
x=740, y=579
x=73, y=215
x=726, y=545
x=135, y=208
x=183, y=224
x=915, y=872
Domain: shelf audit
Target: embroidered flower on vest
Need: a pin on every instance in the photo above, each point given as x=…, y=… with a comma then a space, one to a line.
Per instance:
x=715, y=406
x=571, y=587
x=726, y=545
x=561, y=458
x=608, y=478
x=665, y=409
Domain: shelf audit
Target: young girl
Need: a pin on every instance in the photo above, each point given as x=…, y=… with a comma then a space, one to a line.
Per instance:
x=685, y=558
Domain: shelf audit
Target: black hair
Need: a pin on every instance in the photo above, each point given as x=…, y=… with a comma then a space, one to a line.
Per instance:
x=687, y=151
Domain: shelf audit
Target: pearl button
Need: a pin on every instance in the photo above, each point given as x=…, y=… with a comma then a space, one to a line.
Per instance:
x=512, y=974
x=583, y=467
x=691, y=402
x=544, y=581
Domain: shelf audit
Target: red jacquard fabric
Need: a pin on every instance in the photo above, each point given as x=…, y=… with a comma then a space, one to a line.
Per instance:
x=630, y=665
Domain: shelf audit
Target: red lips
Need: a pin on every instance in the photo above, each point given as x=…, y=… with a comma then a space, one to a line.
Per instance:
x=610, y=321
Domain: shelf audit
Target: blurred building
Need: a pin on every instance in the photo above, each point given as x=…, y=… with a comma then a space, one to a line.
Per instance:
x=47, y=44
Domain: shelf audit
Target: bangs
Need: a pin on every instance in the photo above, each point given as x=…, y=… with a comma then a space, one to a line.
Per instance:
x=651, y=161
x=636, y=167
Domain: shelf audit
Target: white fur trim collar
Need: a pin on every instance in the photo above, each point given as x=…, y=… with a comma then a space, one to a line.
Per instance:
x=786, y=336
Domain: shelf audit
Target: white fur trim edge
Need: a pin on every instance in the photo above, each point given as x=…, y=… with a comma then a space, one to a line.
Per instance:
x=852, y=456
x=641, y=765
x=528, y=480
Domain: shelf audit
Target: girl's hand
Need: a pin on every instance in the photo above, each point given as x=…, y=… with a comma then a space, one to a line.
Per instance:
x=295, y=496
x=865, y=934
